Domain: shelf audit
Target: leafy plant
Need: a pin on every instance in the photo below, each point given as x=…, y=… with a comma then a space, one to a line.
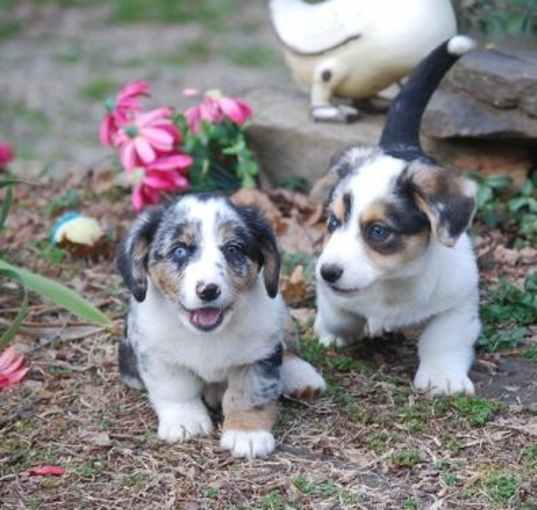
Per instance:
x=514, y=212
x=498, y=17
x=47, y=288
x=507, y=313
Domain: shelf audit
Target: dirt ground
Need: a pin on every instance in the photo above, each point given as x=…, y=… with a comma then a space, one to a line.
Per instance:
x=369, y=443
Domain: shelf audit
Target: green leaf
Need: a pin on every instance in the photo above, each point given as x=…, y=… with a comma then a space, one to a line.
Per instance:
x=8, y=335
x=517, y=203
x=59, y=294
x=484, y=194
x=499, y=182
x=6, y=205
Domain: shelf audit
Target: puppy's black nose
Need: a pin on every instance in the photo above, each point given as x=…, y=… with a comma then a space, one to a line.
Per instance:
x=208, y=292
x=331, y=272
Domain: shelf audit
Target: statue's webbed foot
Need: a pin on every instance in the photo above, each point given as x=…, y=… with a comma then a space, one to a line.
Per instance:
x=339, y=113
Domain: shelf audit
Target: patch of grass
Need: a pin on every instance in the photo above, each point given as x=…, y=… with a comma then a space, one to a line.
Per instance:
x=501, y=486
x=514, y=212
x=325, y=489
x=99, y=89
x=410, y=504
x=291, y=260
x=211, y=492
x=52, y=254
x=406, y=458
x=197, y=50
x=531, y=353
x=507, y=313
x=209, y=12
x=70, y=54
x=252, y=56
x=69, y=200
x=477, y=411
x=529, y=455
x=275, y=501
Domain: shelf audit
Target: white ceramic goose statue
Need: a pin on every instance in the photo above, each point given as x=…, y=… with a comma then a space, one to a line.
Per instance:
x=356, y=48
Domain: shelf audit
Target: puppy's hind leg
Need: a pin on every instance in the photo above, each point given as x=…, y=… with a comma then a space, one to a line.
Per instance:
x=128, y=365
x=299, y=378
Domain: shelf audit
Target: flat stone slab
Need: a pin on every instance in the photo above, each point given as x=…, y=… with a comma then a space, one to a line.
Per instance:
x=289, y=143
x=489, y=94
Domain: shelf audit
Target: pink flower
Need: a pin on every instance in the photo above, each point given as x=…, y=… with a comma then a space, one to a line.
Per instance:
x=215, y=108
x=150, y=135
x=12, y=370
x=122, y=109
x=166, y=174
x=46, y=471
x=6, y=154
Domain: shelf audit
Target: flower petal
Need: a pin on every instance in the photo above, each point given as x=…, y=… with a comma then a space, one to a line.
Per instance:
x=7, y=357
x=146, y=119
x=171, y=162
x=46, y=471
x=138, y=198
x=15, y=364
x=127, y=155
x=144, y=150
x=134, y=88
x=158, y=138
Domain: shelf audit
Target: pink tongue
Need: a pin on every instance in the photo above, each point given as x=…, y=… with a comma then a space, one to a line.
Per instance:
x=206, y=317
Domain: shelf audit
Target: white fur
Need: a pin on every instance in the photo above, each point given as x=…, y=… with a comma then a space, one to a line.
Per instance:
x=440, y=286
x=248, y=444
x=460, y=44
x=297, y=375
x=178, y=362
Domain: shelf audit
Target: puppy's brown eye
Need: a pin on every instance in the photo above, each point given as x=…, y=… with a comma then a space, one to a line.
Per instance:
x=233, y=250
x=378, y=233
x=333, y=223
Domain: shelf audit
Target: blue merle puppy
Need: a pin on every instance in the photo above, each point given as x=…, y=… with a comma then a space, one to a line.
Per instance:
x=206, y=321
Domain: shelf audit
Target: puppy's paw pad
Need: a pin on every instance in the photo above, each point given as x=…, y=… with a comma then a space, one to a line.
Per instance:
x=438, y=383
x=248, y=444
x=183, y=426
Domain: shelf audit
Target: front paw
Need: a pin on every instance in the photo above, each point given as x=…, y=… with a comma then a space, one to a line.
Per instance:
x=339, y=113
x=182, y=422
x=436, y=381
x=248, y=444
x=332, y=341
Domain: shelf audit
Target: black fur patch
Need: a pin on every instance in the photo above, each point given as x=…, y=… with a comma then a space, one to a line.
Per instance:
x=268, y=374
x=264, y=249
x=128, y=363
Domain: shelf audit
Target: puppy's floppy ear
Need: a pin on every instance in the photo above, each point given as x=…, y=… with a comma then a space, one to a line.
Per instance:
x=267, y=250
x=446, y=198
x=132, y=255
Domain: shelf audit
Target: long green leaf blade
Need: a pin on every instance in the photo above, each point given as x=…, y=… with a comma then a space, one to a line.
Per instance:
x=59, y=294
x=21, y=314
x=6, y=206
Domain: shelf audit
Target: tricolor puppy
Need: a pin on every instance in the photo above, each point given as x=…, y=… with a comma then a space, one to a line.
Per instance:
x=397, y=252
x=206, y=321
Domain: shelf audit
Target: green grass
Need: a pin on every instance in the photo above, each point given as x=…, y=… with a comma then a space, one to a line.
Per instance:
x=197, y=50
x=477, y=411
x=406, y=458
x=501, y=486
x=531, y=353
x=99, y=89
x=507, y=312
x=252, y=56
x=208, y=12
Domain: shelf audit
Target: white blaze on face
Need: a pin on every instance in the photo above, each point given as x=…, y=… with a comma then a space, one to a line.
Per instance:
x=208, y=262
x=346, y=247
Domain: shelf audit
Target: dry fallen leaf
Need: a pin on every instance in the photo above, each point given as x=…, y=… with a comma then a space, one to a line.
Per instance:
x=46, y=471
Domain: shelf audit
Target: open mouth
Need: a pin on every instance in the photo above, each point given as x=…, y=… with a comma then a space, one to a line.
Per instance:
x=206, y=319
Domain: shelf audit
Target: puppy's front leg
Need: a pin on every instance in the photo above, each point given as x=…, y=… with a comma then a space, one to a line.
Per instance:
x=175, y=393
x=250, y=408
x=446, y=351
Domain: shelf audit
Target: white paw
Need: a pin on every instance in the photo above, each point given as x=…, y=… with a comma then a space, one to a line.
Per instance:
x=300, y=379
x=332, y=340
x=184, y=421
x=443, y=382
x=251, y=444
x=340, y=113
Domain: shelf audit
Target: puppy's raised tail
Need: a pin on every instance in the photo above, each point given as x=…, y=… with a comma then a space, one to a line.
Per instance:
x=300, y=380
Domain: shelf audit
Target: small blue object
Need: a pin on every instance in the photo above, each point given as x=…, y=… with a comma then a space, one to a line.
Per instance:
x=76, y=228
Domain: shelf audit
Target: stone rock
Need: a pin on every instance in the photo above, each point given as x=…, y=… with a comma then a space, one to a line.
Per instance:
x=488, y=94
x=288, y=142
